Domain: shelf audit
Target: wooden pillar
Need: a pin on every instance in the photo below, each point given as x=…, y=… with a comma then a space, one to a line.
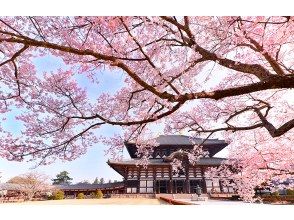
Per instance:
x=154, y=180
x=126, y=178
x=187, y=182
x=172, y=190
x=204, y=189
x=139, y=178
x=221, y=186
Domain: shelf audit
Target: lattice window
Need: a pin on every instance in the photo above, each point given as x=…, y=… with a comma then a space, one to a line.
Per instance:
x=146, y=186
x=131, y=190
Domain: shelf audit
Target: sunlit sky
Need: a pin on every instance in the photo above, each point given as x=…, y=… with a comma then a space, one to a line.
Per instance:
x=93, y=163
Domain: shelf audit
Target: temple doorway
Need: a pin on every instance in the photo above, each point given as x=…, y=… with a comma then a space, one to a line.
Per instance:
x=161, y=186
x=178, y=186
x=194, y=184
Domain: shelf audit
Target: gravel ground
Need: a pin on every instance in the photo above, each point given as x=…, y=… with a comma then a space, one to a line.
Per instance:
x=218, y=202
x=110, y=201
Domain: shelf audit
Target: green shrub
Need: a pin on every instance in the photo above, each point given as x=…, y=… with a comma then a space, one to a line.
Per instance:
x=81, y=196
x=99, y=194
x=58, y=195
x=96, y=195
x=275, y=193
x=290, y=192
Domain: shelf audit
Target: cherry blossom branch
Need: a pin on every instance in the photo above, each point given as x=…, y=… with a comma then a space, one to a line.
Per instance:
x=270, y=82
x=165, y=62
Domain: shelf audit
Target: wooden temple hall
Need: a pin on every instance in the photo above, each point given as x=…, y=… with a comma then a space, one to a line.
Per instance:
x=158, y=177
x=71, y=191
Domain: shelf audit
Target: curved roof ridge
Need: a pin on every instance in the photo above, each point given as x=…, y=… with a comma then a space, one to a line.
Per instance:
x=177, y=140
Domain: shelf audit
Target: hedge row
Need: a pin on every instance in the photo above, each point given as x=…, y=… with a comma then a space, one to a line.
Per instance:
x=277, y=198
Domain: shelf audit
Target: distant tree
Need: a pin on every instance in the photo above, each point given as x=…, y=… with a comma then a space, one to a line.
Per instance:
x=30, y=183
x=102, y=181
x=58, y=195
x=109, y=181
x=96, y=181
x=62, y=178
x=99, y=194
x=81, y=196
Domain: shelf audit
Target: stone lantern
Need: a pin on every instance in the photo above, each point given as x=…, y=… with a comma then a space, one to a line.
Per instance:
x=198, y=190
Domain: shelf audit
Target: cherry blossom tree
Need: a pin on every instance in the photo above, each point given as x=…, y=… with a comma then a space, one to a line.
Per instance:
x=31, y=183
x=226, y=76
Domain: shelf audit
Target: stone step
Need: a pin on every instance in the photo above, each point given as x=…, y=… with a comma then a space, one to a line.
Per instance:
x=199, y=198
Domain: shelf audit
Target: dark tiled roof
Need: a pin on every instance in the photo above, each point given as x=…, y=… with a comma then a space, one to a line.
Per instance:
x=185, y=140
x=87, y=186
x=212, y=145
x=202, y=161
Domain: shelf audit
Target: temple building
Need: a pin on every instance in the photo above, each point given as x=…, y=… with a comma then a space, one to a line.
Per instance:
x=71, y=191
x=159, y=177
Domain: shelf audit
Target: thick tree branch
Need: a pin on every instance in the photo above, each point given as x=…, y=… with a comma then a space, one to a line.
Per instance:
x=275, y=132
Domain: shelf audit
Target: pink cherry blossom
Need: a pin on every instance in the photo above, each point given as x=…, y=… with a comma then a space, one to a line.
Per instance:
x=229, y=77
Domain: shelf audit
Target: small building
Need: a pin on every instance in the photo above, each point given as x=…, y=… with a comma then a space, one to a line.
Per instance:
x=10, y=189
x=72, y=190
x=159, y=177
x=12, y=192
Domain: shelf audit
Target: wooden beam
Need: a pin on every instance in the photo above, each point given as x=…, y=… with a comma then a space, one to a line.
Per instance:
x=187, y=182
x=204, y=188
x=139, y=178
